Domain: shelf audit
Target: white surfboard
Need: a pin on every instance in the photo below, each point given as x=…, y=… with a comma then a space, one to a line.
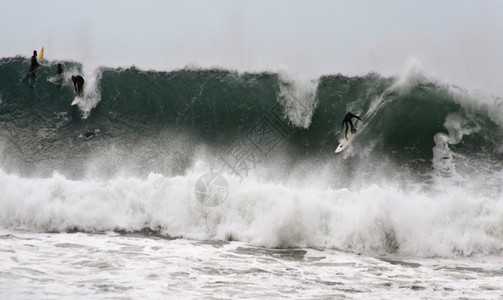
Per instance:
x=345, y=142
x=78, y=98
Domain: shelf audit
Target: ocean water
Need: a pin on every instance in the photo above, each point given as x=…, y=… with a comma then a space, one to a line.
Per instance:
x=209, y=183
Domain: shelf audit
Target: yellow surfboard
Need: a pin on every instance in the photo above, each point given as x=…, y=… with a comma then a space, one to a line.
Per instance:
x=41, y=55
x=39, y=59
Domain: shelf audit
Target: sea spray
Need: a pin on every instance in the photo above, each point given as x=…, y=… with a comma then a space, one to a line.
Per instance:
x=423, y=177
x=298, y=98
x=373, y=220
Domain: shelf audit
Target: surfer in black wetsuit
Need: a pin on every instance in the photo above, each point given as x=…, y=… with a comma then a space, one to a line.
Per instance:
x=78, y=84
x=89, y=134
x=33, y=68
x=34, y=64
x=60, y=70
x=59, y=76
x=347, y=119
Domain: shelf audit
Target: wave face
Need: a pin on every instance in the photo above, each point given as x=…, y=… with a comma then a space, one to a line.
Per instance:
x=139, y=136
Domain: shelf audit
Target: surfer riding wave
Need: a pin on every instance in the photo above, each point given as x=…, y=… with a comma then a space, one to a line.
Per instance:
x=348, y=119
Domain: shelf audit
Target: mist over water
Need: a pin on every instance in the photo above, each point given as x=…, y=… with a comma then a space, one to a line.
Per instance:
x=422, y=177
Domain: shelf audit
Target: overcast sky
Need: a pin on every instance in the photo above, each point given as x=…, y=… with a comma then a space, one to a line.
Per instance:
x=456, y=41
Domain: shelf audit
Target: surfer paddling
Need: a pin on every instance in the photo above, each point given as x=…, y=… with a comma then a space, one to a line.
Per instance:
x=78, y=84
x=348, y=119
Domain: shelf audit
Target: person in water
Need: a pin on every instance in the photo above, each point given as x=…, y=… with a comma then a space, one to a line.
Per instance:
x=59, y=76
x=78, y=84
x=34, y=64
x=33, y=68
x=89, y=134
x=348, y=119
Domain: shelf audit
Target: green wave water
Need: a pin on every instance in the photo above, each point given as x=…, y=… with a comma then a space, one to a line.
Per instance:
x=149, y=121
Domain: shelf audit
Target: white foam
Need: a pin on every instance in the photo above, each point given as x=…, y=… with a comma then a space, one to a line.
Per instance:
x=374, y=219
x=412, y=76
x=475, y=100
x=457, y=126
x=91, y=94
x=298, y=96
x=443, y=158
x=111, y=265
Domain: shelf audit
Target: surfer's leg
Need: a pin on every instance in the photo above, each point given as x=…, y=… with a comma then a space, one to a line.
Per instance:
x=31, y=79
x=346, y=134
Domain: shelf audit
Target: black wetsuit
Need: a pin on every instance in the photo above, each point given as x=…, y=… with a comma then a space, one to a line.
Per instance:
x=59, y=76
x=78, y=83
x=347, y=119
x=33, y=66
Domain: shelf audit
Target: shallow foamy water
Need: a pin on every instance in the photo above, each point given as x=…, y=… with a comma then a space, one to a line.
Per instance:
x=109, y=265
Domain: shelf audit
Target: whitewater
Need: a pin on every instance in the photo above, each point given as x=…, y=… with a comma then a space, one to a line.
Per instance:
x=103, y=199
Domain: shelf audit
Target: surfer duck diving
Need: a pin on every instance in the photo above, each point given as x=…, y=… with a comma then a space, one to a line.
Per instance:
x=348, y=120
